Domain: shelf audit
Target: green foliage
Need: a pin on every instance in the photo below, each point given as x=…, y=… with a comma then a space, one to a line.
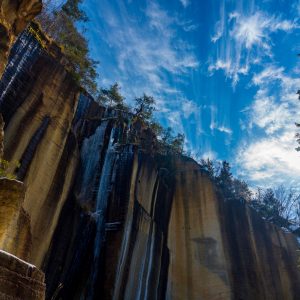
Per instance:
x=178, y=142
x=60, y=24
x=231, y=188
x=172, y=144
x=112, y=97
x=225, y=180
x=241, y=190
x=209, y=166
x=6, y=167
x=144, y=107
x=166, y=135
x=279, y=206
x=71, y=9
x=156, y=128
x=142, y=116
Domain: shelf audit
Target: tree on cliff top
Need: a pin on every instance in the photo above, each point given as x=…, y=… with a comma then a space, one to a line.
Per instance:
x=71, y=9
x=279, y=206
x=112, y=97
x=232, y=188
x=60, y=24
x=225, y=180
x=144, y=107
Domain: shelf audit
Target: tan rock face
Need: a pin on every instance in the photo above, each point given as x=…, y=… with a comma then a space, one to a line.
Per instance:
x=198, y=268
x=111, y=222
x=14, y=17
x=38, y=136
x=1, y=136
x=224, y=250
x=15, y=236
x=262, y=258
x=19, y=280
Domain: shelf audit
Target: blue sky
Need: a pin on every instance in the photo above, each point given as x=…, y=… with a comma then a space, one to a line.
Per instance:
x=224, y=73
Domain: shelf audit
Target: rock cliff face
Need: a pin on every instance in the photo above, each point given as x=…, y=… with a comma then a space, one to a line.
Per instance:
x=14, y=17
x=15, y=235
x=19, y=280
x=111, y=218
x=223, y=249
x=38, y=101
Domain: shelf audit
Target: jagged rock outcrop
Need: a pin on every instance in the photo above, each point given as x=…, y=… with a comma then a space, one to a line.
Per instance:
x=14, y=17
x=20, y=280
x=112, y=218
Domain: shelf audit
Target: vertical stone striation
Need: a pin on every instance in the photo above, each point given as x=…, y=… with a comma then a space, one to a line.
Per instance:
x=198, y=268
x=1, y=136
x=262, y=257
x=15, y=15
x=38, y=101
x=223, y=249
x=15, y=236
x=113, y=220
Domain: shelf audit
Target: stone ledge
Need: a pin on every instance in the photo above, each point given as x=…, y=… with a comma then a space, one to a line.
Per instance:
x=20, y=280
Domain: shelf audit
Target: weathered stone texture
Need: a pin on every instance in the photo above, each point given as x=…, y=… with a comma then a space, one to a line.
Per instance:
x=224, y=249
x=38, y=136
x=198, y=268
x=15, y=235
x=113, y=221
x=14, y=17
x=1, y=136
x=20, y=280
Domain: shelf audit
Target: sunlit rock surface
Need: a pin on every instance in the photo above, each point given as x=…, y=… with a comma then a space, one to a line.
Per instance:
x=111, y=218
x=15, y=236
x=14, y=17
x=20, y=280
x=38, y=102
x=223, y=249
x=198, y=268
x=1, y=136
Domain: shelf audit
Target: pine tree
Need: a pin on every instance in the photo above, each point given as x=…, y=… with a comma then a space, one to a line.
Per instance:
x=225, y=180
x=112, y=97
x=144, y=107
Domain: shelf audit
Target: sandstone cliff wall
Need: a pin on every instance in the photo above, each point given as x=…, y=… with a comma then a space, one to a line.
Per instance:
x=15, y=235
x=14, y=17
x=20, y=280
x=38, y=113
x=223, y=249
x=114, y=220
x=262, y=257
x=198, y=267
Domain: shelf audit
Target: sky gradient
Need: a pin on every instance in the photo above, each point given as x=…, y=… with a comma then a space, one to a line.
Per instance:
x=224, y=73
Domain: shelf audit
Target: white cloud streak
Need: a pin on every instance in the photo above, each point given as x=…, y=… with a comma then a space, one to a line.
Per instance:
x=271, y=159
x=148, y=55
x=243, y=38
x=185, y=3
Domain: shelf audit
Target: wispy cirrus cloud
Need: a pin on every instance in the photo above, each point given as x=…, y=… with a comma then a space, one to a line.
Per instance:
x=216, y=124
x=189, y=108
x=146, y=54
x=185, y=3
x=243, y=38
x=151, y=56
